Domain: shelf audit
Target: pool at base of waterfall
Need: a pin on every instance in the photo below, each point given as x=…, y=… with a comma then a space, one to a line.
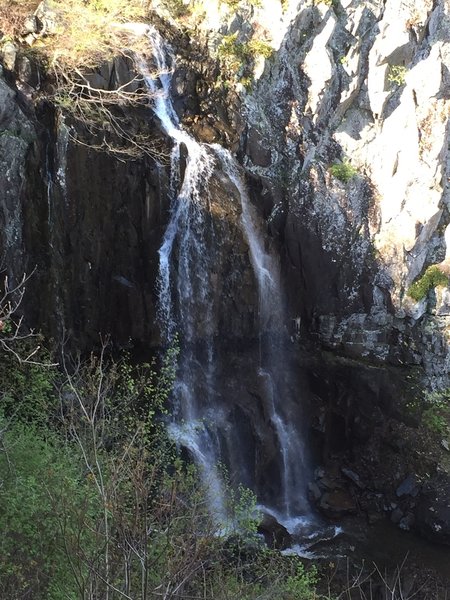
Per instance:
x=376, y=560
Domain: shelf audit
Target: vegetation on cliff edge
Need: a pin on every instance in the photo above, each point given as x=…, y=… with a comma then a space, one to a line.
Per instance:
x=95, y=501
x=433, y=277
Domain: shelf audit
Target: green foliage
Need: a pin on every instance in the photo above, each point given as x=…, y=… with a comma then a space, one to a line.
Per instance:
x=432, y=278
x=45, y=503
x=259, y=48
x=94, y=496
x=230, y=47
x=396, y=74
x=433, y=411
x=27, y=392
x=436, y=416
x=301, y=584
x=237, y=55
x=343, y=171
x=242, y=505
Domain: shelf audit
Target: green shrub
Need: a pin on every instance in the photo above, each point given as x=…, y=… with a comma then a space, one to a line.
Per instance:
x=97, y=498
x=45, y=504
x=437, y=414
x=343, y=171
x=432, y=278
x=237, y=55
x=259, y=48
x=230, y=48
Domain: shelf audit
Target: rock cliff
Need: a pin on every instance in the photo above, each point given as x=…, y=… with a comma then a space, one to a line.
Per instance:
x=343, y=131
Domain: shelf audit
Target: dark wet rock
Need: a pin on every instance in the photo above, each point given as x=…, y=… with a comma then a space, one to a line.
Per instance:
x=205, y=132
x=432, y=512
x=396, y=515
x=354, y=477
x=275, y=534
x=27, y=72
x=407, y=522
x=337, y=503
x=314, y=492
x=258, y=149
x=408, y=487
x=374, y=517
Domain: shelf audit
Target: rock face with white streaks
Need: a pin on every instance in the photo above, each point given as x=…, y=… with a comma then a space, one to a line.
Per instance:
x=364, y=83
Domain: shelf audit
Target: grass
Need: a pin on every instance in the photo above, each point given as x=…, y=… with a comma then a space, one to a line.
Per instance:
x=432, y=278
x=83, y=34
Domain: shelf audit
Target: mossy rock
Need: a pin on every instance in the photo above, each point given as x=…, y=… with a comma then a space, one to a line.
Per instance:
x=433, y=277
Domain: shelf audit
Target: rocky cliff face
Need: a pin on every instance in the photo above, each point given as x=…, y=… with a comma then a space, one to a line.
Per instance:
x=360, y=81
x=368, y=83
x=83, y=225
x=364, y=84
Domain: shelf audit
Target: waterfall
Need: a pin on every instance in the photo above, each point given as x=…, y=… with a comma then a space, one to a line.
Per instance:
x=272, y=357
x=188, y=306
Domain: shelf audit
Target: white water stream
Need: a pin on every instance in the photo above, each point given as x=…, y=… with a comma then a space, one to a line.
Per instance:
x=185, y=284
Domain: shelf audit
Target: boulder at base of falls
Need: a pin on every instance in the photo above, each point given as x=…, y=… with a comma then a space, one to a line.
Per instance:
x=275, y=534
x=337, y=503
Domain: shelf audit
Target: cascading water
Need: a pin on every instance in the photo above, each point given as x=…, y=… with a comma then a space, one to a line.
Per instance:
x=190, y=307
x=272, y=360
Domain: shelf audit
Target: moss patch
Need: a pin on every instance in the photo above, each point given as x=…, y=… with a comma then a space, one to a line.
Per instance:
x=432, y=278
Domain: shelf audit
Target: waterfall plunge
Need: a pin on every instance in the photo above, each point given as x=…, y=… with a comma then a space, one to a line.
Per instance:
x=185, y=292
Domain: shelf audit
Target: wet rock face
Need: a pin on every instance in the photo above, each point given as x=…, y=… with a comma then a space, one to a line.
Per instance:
x=85, y=226
x=19, y=162
x=106, y=224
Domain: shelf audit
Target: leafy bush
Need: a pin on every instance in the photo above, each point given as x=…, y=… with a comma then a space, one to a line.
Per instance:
x=433, y=411
x=45, y=503
x=27, y=393
x=343, y=171
x=432, y=278
x=99, y=504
